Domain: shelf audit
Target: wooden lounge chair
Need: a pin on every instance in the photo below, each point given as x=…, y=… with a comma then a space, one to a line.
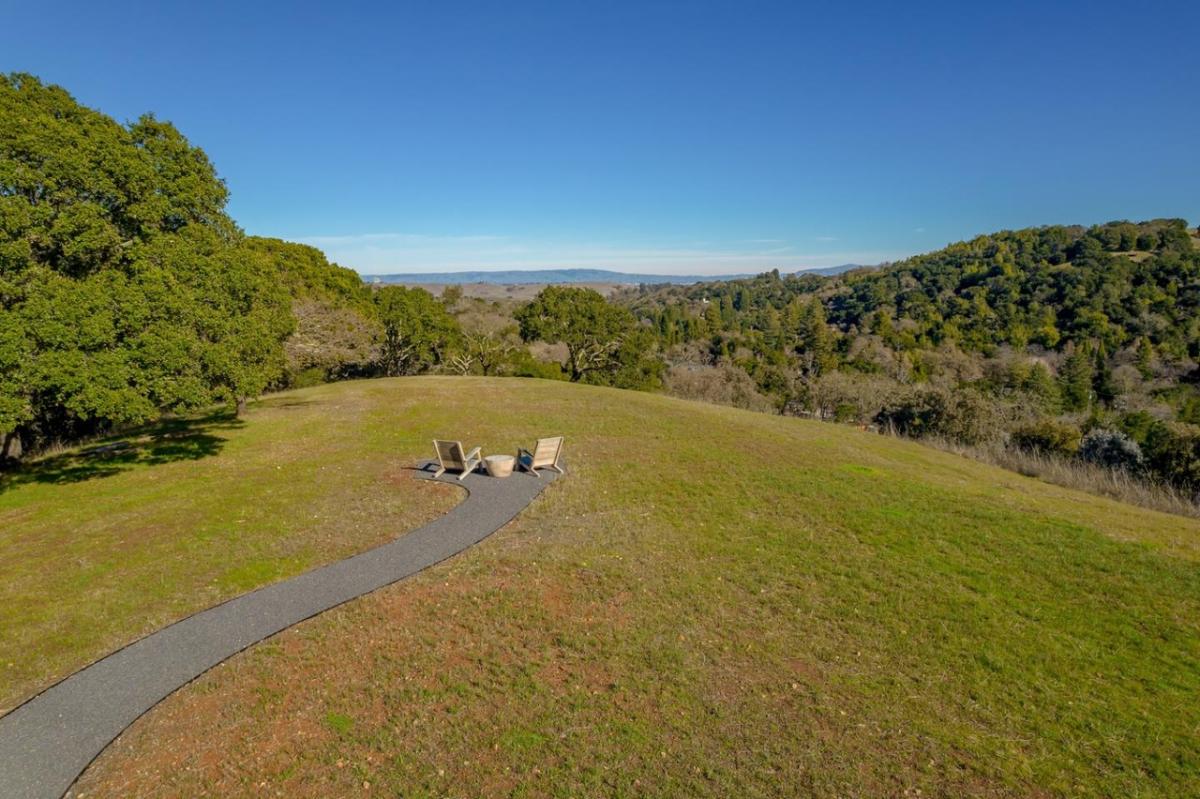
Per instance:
x=544, y=456
x=451, y=457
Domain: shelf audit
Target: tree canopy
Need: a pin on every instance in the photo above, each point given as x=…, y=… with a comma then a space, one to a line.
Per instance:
x=603, y=341
x=419, y=332
x=125, y=288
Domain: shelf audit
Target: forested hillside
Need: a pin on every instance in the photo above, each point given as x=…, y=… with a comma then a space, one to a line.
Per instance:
x=1080, y=342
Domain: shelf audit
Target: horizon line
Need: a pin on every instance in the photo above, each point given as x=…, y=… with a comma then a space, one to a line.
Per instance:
x=536, y=270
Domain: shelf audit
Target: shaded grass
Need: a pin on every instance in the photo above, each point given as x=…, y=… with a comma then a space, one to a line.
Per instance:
x=178, y=439
x=718, y=603
x=106, y=543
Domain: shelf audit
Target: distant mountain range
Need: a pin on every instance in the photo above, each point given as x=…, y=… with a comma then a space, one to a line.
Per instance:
x=526, y=276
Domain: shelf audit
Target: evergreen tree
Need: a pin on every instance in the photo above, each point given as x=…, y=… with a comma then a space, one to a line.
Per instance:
x=814, y=338
x=881, y=325
x=1040, y=384
x=773, y=329
x=1075, y=379
x=1145, y=357
x=712, y=317
x=1102, y=380
x=742, y=300
x=727, y=311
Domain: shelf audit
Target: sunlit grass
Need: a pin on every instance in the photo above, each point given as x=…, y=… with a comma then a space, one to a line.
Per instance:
x=714, y=602
x=101, y=545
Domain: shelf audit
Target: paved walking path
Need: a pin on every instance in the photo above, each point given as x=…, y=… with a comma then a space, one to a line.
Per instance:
x=46, y=743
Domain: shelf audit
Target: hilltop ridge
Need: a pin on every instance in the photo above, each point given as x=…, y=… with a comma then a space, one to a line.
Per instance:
x=546, y=276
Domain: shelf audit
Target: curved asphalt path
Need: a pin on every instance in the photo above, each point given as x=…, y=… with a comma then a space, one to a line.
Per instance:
x=46, y=743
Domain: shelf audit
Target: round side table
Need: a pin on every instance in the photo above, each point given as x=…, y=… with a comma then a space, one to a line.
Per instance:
x=499, y=465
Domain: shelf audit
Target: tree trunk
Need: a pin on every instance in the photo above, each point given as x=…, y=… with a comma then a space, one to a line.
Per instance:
x=241, y=406
x=10, y=448
x=576, y=371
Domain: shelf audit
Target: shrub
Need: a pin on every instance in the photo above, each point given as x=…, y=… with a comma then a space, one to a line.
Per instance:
x=1111, y=449
x=845, y=412
x=313, y=376
x=1173, y=454
x=724, y=384
x=958, y=415
x=1048, y=436
x=849, y=397
x=525, y=365
x=1189, y=410
x=1137, y=425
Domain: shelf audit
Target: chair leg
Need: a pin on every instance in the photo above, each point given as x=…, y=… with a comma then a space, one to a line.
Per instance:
x=439, y=473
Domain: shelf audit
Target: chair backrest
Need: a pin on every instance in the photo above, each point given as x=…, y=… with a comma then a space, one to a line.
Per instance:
x=546, y=451
x=450, y=453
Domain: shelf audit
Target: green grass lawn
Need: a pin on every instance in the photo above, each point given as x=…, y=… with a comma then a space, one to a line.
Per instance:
x=99, y=548
x=714, y=602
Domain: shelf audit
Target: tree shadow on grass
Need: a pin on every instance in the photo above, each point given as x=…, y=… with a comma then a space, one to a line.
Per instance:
x=284, y=403
x=168, y=441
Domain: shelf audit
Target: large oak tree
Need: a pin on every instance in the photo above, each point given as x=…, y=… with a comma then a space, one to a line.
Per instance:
x=125, y=288
x=604, y=343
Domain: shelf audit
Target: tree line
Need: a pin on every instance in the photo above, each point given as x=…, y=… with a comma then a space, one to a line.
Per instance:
x=1051, y=338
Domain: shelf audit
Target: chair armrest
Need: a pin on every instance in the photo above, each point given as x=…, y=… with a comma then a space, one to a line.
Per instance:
x=473, y=453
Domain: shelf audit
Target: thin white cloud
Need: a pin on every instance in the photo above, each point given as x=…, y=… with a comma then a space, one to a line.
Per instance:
x=370, y=238
x=384, y=253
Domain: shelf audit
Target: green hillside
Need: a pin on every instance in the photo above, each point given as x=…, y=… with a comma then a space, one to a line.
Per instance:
x=715, y=603
x=1078, y=344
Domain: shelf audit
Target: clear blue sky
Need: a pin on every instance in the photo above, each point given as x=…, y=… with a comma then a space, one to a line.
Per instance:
x=644, y=136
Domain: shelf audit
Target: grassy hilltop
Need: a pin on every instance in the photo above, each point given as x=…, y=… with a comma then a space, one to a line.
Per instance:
x=715, y=602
